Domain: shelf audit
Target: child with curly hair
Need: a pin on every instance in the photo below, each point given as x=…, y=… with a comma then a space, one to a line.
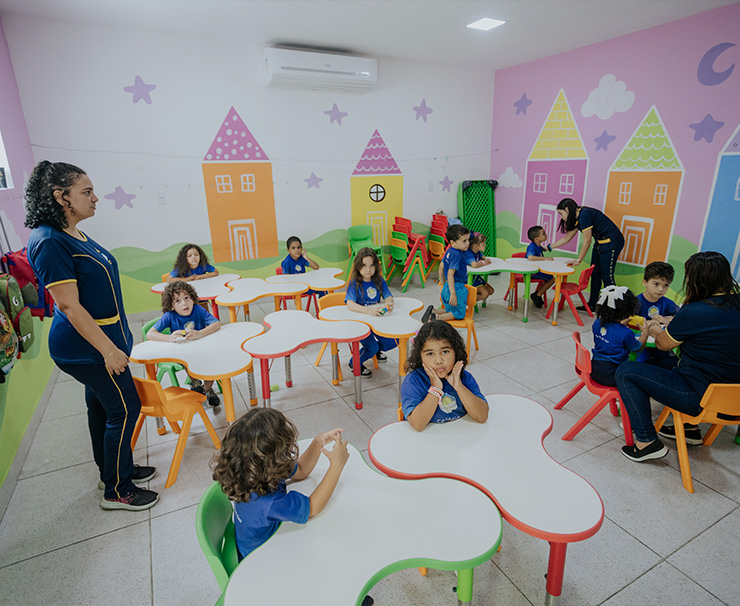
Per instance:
x=184, y=320
x=437, y=388
x=191, y=264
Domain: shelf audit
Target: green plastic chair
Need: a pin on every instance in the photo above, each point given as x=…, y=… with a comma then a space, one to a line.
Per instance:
x=361, y=236
x=407, y=266
x=165, y=368
x=214, y=525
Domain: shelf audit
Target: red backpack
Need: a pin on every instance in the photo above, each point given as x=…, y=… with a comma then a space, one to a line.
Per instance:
x=31, y=287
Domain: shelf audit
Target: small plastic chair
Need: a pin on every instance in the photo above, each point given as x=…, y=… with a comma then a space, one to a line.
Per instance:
x=214, y=525
x=165, y=368
x=359, y=237
x=406, y=264
x=607, y=395
x=177, y=405
x=404, y=226
x=568, y=289
x=311, y=296
x=719, y=399
x=468, y=322
x=517, y=279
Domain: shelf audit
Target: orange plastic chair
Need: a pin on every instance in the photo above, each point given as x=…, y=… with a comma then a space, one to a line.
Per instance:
x=719, y=399
x=468, y=322
x=607, y=395
x=517, y=279
x=568, y=289
x=177, y=405
x=311, y=297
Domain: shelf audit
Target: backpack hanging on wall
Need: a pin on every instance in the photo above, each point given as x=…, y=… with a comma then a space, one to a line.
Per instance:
x=8, y=344
x=38, y=299
x=20, y=315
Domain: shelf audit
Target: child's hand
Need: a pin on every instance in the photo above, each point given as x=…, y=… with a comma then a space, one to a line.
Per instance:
x=374, y=310
x=305, y=254
x=658, y=318
x=433, y=376
x=486, y=261
x=454, y=377
x=389, y=304
x=453, y=299
x=333, y=435
x=191, y=335
x=339, y=454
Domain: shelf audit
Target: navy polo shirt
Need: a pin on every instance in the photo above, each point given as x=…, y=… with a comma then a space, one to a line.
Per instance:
x=198, y=271
x=602, y=227
x=293, y=266
x=370, y=294
x=613, y=342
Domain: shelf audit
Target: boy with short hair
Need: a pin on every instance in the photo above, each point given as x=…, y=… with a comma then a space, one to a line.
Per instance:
x=455, y=271
x=654, y=305
x=535, y=252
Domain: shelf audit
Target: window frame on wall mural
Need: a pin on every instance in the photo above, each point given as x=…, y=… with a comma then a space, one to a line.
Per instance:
x=660, y=195
x=567, y=184
x=625, y=192
x=222, y=181
x=248, y=182
x=539, y=183
x=374, y=190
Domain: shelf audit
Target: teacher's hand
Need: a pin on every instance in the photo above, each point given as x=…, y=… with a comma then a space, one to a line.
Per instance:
x=116, y=362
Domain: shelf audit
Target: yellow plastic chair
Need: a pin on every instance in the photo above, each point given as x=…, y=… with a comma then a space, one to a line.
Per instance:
x=177, y=405
x=468, y=322
x=719, y=399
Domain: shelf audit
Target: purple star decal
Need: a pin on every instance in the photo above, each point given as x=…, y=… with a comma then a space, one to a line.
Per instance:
x=603, y=141
x=313, y=181
x=422, y=111
x=335, y=115
x=706, y=128
x=140, y=90
x=522, y=104
x=445, y=183
x=120, y=197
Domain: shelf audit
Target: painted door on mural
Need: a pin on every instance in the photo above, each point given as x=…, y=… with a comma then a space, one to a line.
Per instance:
x=637, y=232
x=548, y=219
x=378, y=222
x=243, y=239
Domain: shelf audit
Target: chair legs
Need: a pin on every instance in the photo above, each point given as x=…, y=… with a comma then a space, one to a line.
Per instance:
x=182, y=441
x=592, y=412
x=683, y=452
x=570, y=395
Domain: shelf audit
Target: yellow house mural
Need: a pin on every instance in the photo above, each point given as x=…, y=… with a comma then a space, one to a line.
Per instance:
x=377, y=190
x=241, y=203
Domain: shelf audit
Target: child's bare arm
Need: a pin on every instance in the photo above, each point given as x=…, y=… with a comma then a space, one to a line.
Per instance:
x=476, y=407
x=208, y=274
x=451, y=285
x=307, y=460
x=154, y=335
x=322, y=493
x=199, y=334
x=311, y=263
x=421, y=415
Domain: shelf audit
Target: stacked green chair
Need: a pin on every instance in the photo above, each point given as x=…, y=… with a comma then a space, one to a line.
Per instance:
x=361, y=236
x=406, y=264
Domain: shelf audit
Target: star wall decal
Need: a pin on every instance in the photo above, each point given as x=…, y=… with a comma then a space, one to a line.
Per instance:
x=313, y=181
x=140, y=90
x=445, y=183
x=522, y=104
x=335, y=115
x=120, y=197
x=422, y=111
x=706, y=128
x=603, y=141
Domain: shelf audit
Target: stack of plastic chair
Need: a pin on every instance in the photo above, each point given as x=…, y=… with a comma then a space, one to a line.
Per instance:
x=607, y=395
x=404, y=226
x=468, y=322
x=437, y=250
x=177, y=405
x=358, y=237
x=517, y=279
x=311, y=296
x=568, y=289
x=214, y=525
x=439, y=226
x=406, y=263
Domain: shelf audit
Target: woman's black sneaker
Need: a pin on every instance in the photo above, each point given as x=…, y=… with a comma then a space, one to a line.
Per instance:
x=142, y=474
x=693, y=433
x=136, y=500
x=429, y=315
x=381, y=357
x=654, y=450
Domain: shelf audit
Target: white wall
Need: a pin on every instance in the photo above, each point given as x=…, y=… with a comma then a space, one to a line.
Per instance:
x=71, y=78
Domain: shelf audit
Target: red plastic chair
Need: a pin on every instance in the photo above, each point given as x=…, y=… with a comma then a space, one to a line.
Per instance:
x=405, y=226
x=519, y=279
x=607, y=395
x=568, y=289
x=310, y=296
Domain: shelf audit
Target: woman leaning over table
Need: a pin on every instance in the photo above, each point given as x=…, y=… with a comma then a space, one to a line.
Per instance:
x=89, y=337
x=707, y=329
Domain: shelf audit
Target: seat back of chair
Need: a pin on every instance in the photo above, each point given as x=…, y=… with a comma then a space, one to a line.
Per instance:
x=442, y=219
x=152, y=397
x=722, y=398
x=165, y=276
x=357, y=233
x=519, y=255
x=437, y=231
x=399, y=254
x=470, y=303
x=583, y=358
x=436, y=248
x=404, y=221
x=331, y=300
x=214, y=525
x=401, y=228
x=585, y=278
x=400, y=235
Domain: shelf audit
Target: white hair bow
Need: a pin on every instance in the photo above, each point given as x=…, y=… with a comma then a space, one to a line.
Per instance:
x=612, y=294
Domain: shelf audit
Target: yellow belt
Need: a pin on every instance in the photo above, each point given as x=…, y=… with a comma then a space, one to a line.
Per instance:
x=108, y=321
x=604, y=241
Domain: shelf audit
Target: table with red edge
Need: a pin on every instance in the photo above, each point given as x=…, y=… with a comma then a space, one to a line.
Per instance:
x=207, y=288
x=248, y=290
x=508, y=265
x=292, y=329
x=505, y=458
x=558, y=268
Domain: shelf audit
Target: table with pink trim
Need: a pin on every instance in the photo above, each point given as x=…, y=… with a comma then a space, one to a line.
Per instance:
x=207, y=288
x=292, y=329
x=558, y=268
x=505, y=458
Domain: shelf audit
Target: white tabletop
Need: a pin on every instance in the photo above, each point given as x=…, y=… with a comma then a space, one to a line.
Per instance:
x=207, y=288
x=497, y=264
x=558, y=265
x=292, y=329
x=247, y=290
x=317, y=279
x=372, y=523
x=214, y=356
x=506, y=458
x=395, y=324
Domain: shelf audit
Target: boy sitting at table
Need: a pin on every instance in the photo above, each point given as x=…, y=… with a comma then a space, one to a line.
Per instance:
x=654, y=305
x=535, y=252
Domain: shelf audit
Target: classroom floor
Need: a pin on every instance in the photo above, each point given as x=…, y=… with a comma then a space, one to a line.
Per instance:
x=658, y=543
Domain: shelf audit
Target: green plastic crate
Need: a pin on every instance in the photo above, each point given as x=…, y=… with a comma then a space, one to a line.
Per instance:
x=476, y=209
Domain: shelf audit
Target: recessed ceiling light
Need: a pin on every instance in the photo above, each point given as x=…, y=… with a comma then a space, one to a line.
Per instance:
x=485, y=24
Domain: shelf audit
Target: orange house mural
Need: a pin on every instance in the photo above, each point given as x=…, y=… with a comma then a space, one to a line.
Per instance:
x=642, y=192
x=241, y=203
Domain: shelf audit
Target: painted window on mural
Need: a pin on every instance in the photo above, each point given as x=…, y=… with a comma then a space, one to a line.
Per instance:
x=567, y=184
x=625, y=192
x=660, y=195
x=377, y=192
x=540, y=183
x=223, y=184
x=248, y=183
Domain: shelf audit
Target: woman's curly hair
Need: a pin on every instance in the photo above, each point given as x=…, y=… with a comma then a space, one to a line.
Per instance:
x=624, y=308
x=438, y=331
x=182, y=267
x=171, y=290
x=46, y=178
x=258, y=452
x=357, y=278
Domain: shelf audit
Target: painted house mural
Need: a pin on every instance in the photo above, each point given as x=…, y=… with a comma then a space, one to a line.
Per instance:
x=722, y=223
x=377, y=190
x=556, y=169
x=241, y=204
x=642, y=192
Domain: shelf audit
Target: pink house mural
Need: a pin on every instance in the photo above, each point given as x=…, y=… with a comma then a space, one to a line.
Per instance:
x=556, y=169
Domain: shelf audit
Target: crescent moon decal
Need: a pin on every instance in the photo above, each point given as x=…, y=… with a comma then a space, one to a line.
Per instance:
x=705, y=72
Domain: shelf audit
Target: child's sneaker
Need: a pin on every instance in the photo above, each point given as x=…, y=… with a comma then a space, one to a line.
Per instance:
x=693, y=433
x=142, y=474
x=381, y=357
x=429, y=315
x=213, y=399
x=537, y=300
x=136, y=500
x=197, y=385
x=364, y=371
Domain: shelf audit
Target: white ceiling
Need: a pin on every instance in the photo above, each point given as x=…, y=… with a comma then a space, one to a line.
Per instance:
x=419, y=30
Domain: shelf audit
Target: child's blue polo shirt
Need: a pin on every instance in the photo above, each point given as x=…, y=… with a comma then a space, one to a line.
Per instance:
x=369, y=295
x=662, y=307
x=613, y=342
x=603, y=229
x=295, y=266
x=57, y=258
x=470, y=258
x=198, y=271
x=454, y=258
x=416, y=386
x=198, y=319
x=533, y=250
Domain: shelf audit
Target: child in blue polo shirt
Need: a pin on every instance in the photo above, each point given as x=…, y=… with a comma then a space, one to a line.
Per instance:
x=613, y=341
x=654, y=305
x=535, y=252
x=455, y=273
x=297, y=259
x=191, y=264
x=185, y=321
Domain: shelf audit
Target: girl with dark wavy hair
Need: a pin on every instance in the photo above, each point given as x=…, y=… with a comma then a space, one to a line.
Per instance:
x=707, y=327
x=437, y=388
x=191, y=264
x=89, y=337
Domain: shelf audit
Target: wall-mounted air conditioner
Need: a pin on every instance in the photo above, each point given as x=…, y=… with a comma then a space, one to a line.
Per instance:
x=318, y=71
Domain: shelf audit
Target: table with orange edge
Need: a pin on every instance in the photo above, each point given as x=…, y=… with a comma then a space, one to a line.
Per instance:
x=558, y=268
x=207, y=288
x=322, y=279
x=248, y=290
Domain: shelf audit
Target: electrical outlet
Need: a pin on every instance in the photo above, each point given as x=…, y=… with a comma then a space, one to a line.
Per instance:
x=161, y=198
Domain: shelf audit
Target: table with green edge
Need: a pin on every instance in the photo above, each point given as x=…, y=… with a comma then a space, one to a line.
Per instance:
x=372, y=527
x=498, y=265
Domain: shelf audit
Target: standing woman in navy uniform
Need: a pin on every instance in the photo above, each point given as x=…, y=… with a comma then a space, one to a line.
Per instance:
x=89, y=337
x=593, y=224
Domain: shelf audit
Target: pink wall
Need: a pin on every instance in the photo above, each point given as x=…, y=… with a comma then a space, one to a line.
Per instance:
x=659, y=65
x=17, y=147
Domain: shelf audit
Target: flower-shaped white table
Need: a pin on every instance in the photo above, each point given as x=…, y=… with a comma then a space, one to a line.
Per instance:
x=247, y=290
